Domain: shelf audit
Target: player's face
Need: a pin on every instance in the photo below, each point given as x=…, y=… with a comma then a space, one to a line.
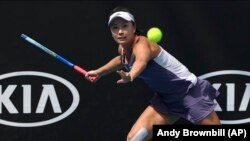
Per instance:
x=122, y=31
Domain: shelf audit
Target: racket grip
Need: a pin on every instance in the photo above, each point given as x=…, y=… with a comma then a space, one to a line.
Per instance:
x=82, y=71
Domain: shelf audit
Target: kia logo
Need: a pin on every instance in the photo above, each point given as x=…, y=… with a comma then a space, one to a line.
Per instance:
x=35, y=98
x=233, y=102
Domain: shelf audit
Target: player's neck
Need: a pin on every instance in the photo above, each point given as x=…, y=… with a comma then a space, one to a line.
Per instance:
x=128, y=47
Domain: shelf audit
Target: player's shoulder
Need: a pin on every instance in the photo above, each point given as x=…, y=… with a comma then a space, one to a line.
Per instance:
x=143, y=38
x=142, y=45
x=142, y=41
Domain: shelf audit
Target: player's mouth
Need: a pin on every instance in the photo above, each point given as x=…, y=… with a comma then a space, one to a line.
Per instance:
x=121, y=38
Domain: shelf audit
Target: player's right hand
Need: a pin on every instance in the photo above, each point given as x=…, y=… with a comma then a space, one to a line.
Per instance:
x=92, y=76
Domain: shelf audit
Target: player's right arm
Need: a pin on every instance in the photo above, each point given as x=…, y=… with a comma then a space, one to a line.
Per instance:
x=113, y=65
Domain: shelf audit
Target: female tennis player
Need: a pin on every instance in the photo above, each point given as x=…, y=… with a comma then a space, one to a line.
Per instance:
x=178, y=92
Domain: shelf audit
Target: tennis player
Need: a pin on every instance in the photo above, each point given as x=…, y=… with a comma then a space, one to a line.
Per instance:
x=178, y=92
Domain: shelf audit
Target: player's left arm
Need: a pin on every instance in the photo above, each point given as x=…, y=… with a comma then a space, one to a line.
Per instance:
x=142, y=54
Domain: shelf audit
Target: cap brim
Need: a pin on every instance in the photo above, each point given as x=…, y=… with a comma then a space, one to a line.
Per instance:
x=124, y=15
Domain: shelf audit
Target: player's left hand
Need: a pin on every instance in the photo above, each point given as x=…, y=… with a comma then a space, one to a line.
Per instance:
x=125, y=77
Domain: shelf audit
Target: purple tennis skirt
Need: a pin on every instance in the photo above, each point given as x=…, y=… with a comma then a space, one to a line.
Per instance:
x=194, y=106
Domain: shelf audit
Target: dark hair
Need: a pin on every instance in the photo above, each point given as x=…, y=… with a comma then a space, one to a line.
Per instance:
x=124, y=9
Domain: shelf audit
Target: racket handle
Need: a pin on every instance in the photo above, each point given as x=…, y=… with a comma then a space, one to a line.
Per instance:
x=82, y=71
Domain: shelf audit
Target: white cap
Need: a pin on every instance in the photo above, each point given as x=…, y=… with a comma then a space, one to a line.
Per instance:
x=125, y=15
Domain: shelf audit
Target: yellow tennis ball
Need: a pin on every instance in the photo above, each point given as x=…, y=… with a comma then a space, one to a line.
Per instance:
x=154, y=34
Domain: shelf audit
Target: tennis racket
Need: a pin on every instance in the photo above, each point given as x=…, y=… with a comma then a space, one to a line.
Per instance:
x=55, y=55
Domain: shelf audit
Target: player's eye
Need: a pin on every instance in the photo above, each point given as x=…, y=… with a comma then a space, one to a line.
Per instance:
x=125, y=25
x=114, y=27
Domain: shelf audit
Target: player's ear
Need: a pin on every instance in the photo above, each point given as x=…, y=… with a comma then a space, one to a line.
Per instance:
x=134, y=28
